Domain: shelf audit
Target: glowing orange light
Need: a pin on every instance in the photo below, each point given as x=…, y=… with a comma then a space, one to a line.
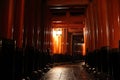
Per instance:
x=84, y=44
x=84, y=50
x=57, y=37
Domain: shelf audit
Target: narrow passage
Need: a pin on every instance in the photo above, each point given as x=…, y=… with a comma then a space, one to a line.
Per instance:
x=67, y=72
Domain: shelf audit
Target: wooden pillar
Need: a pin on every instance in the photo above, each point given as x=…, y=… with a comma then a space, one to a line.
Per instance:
x=29, y=22
x=104, y=21
x=47, y=28
x=114, y=23
x=37, y=23
x=43, y=24
x=88, y=34
x=19, y=22
x=99, y=26
x=110, y=22
x=90, y=28
x=47, y=41
x=95, y=17
x=6, y=18
x=103, y=29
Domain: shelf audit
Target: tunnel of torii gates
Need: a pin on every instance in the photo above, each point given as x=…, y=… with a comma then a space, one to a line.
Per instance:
x=31, y=27
x=100, y=26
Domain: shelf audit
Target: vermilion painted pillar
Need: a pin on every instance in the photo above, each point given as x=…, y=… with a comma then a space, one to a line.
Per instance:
x=37, y=23
x=103, y=29
x=119, y=22
x=47, y=32
x=96, y=29
x=92, y=34
x=19, y=22
x=7, y=7
x=47, y=28
x=110, y=23
x=94, y=26
x=43, y=24
x=29, y=22
x=115, y=21
x=99, y=25
x=10, y=20
x=104, y=22
x=91, y=28
x=88, y=31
